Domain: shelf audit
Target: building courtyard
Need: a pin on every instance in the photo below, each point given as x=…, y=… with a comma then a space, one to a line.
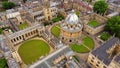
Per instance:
x=59, y=34
x=29, y=51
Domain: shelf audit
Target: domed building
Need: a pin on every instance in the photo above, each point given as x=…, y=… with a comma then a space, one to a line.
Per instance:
x=71, y=29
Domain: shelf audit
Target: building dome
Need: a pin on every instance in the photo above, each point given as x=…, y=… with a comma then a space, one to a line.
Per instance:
x=72, y=18
x=72, y=23
x=71, y=29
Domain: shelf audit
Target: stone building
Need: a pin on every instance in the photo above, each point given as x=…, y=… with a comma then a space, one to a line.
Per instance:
x=94, y=29
x=20, y=36
x=14, y=15
x=106, y=56
x=76, y=4
x=4, y=47
x=25, y=34
x=44, y=12
x=71, y=29
x=4, y=24
x=61, y=58
x=115, y=63
x=3, y=17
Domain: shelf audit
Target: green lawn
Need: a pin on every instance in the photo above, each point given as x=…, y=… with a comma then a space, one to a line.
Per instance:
x=76, y=57
x=23, y=26
x=55, y=30
x=81, y=48
x=3, y=63
x=1, y=30
x=32, y=50
x=88, y=42
x=105, y=36
x=93, y=23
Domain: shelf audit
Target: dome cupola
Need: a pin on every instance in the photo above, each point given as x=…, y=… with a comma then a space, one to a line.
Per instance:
x=72, y=18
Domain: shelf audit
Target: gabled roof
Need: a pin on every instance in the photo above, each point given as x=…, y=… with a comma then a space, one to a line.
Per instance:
x=101, y=52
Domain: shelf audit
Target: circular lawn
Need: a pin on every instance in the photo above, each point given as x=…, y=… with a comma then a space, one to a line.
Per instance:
x=32, y=50
x=86, y=45
x=55, y=30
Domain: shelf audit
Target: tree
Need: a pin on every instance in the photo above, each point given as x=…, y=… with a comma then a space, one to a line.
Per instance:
x=8, y=5
x=89, y=0
x=4, y=0
x=1, y=30
x=113, y=26
x=105, y=36
x=24, y=1
x=100, y=7
x=77, y=13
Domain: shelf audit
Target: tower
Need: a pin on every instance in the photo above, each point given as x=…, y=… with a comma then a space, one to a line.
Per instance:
x=47, y=10
x=46, y=4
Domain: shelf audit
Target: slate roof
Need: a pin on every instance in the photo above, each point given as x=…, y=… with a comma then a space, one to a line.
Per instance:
x=117, y=58
x=47, y=61
x=101, y=52
x=7, y=54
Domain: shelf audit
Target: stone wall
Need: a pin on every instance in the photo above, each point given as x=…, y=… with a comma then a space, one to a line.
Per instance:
x=114, y=64
x=68, y=37
x=95, y=30
x=25, y=34
x=94, y=62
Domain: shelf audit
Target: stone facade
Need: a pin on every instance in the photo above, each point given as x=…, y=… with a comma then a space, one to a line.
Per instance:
x=94, y=30
x=70, y=37
x=4, y=24
x=106, y=56
x=114, y=64
x=3, y=17
x=44, y=12
x=61, y=58
x=94, y=62
x=14, y=15
x=25, y=34
x=76, y=4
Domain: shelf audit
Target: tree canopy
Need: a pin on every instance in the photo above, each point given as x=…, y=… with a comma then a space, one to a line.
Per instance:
x=4, y=0
x=24, y=1
x=77, y=13
x=8, y=5
x=113, y=26
x=100, y=7
x=88, y=0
